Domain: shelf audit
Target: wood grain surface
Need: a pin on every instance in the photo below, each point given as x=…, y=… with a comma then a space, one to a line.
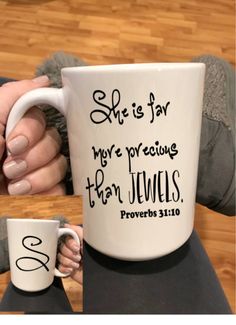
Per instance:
x=113, y=31
x=116, y=31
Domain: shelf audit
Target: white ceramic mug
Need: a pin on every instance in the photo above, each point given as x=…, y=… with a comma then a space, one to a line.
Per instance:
x=32, y=252
x=134, y=133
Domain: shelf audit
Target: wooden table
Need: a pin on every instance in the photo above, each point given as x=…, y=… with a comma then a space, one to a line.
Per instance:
x=216, y=231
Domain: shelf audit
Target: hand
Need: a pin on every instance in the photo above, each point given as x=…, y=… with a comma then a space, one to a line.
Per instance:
x=34, y=165
x=70, y=255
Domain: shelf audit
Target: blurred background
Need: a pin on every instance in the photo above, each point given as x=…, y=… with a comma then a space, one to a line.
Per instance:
x=127, y=31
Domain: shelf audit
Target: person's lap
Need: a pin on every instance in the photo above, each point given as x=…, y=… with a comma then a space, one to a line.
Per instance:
x=183, y=282
x=52, y=300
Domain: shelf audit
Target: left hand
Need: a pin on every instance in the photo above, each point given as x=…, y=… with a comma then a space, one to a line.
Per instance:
x=35, y=165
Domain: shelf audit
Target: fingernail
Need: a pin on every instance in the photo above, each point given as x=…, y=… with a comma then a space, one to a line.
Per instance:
x=75, y=265
x=77, y=257
x=68, y=270
x=14, y=168
x=76, y=248
x=18, y=145
x=19, y=188
x=41, y=79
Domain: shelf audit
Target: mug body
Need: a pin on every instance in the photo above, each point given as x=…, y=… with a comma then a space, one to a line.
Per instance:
x=32, y=252
x=134, y=134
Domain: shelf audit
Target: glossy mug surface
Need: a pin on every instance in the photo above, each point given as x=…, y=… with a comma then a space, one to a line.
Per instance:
x=32, y=252
x=134, y=133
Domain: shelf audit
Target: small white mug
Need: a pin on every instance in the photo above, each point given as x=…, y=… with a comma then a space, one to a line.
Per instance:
x=32, y=252
x=134, y=135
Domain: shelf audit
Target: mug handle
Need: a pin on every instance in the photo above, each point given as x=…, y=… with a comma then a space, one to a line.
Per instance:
x=51, y=96
x=72, y=233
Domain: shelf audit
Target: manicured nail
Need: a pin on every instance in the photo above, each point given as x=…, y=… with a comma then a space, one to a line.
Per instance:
x=77, y=257
x=14, y=168
x=19, y=188
x=41, y=79
x=76, y=249
x=75, y=265
x=18, y=145
x=68, y=270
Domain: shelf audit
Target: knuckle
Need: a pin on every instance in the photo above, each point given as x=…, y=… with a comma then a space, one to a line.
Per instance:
x=60, y=189
x=37, y=113
x=62, y=269
x=53, y=131
x=54, y=137
x=59, y=257
x=63, y=165
x=64, y=161
x=8, y=84
x=69, y=241
x=63, y=260
x=65, y=252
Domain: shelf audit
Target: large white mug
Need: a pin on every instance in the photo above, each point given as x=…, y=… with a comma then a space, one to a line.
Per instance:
x=32, y=252
x=134, y=134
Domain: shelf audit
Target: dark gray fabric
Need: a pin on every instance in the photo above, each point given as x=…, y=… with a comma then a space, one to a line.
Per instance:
x=183, y=282
x=4, y=260
x=52, y=300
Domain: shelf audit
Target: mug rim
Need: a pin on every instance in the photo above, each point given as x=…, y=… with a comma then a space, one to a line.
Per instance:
x=135, y=66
